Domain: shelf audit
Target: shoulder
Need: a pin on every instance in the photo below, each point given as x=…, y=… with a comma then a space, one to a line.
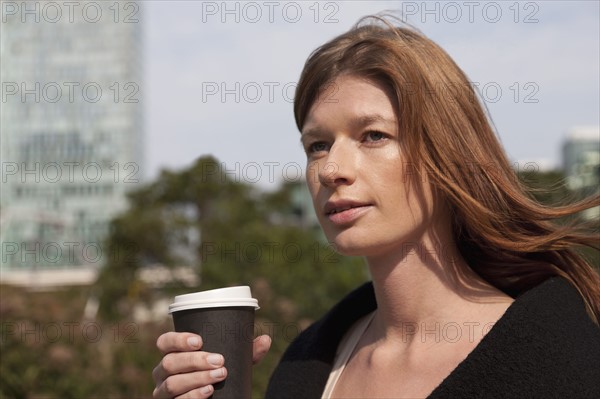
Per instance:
x=555, y=312
x=545, y=345
x=305, y=366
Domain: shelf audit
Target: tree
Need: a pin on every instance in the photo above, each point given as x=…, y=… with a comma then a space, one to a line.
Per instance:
x=232, y=234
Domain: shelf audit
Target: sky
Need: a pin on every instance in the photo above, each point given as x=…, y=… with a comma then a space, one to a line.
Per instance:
x=219, y=77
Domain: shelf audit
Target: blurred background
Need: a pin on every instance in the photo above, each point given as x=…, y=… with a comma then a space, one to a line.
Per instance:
x=148, y=149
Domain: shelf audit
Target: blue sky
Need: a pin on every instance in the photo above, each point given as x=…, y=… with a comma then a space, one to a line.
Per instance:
x=538, y=63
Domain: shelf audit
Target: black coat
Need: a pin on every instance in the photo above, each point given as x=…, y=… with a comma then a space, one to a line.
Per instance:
x=544, y=346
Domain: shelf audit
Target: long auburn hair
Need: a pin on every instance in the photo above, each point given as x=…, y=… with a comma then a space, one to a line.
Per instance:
x=506, y=237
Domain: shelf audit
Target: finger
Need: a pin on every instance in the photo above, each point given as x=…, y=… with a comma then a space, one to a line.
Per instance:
x=261, y=346
x=178, y=342
x=186, y=362
x=200, y=393
x=184, y=384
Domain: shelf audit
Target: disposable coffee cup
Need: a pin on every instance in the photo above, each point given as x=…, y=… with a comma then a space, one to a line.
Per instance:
x=224, y=318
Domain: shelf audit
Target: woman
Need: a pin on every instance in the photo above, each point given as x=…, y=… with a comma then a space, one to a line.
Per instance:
x=474, y=291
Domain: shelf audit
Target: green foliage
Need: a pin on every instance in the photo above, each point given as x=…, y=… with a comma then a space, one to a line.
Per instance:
x=245, y=237
x=231, y=234
x=48, y=351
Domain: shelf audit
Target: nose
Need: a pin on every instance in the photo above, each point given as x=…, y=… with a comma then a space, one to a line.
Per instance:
x=339, y=167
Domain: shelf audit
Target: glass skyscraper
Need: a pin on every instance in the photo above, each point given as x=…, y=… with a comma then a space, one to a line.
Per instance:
x=581, y=158
x=71, y=128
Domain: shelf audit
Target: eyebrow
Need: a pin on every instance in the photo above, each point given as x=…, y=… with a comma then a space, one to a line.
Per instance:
x=356, y=123
x=367, y=120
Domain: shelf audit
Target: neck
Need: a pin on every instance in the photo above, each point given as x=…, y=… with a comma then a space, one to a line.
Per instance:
x=426, y=284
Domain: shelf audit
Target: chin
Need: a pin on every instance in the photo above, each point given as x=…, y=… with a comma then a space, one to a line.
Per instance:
x=368, y=242
x=347, y=250
x=351, y=244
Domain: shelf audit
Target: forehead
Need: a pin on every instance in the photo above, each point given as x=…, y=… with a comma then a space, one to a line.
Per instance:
x=350, y=98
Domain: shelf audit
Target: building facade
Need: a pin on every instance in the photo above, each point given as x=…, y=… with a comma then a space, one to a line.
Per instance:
x=71, y=128
x=581, y=158
x=581, y=163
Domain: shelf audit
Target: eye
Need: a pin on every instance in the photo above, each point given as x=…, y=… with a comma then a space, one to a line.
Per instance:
x=374, y=136
x=317, y=147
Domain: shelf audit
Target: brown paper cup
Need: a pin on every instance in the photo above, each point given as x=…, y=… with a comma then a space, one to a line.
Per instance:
x=224, y=318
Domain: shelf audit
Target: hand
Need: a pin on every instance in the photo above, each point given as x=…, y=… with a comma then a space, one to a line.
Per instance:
x=187, y=372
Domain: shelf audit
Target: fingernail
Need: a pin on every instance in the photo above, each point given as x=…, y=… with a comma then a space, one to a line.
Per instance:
x=218, y=373
x=215, y=360
x=207, y=389
x=194, y=342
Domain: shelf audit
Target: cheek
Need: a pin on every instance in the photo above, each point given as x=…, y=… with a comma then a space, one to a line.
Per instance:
x=416, y=197
x=312, y=178
x=314, y=185
x=400, y=194
x=386, y=175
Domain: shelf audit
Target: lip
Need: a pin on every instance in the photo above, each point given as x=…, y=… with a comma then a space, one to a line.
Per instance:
x=345, y=211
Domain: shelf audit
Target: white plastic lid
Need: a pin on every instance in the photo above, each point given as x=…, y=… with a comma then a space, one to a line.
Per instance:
x=220, y=297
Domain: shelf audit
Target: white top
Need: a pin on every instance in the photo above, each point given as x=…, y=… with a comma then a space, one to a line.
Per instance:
x=220, y=297
x=344, y=351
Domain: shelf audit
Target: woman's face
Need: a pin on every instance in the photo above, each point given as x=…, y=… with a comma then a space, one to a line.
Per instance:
x=356, y=171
